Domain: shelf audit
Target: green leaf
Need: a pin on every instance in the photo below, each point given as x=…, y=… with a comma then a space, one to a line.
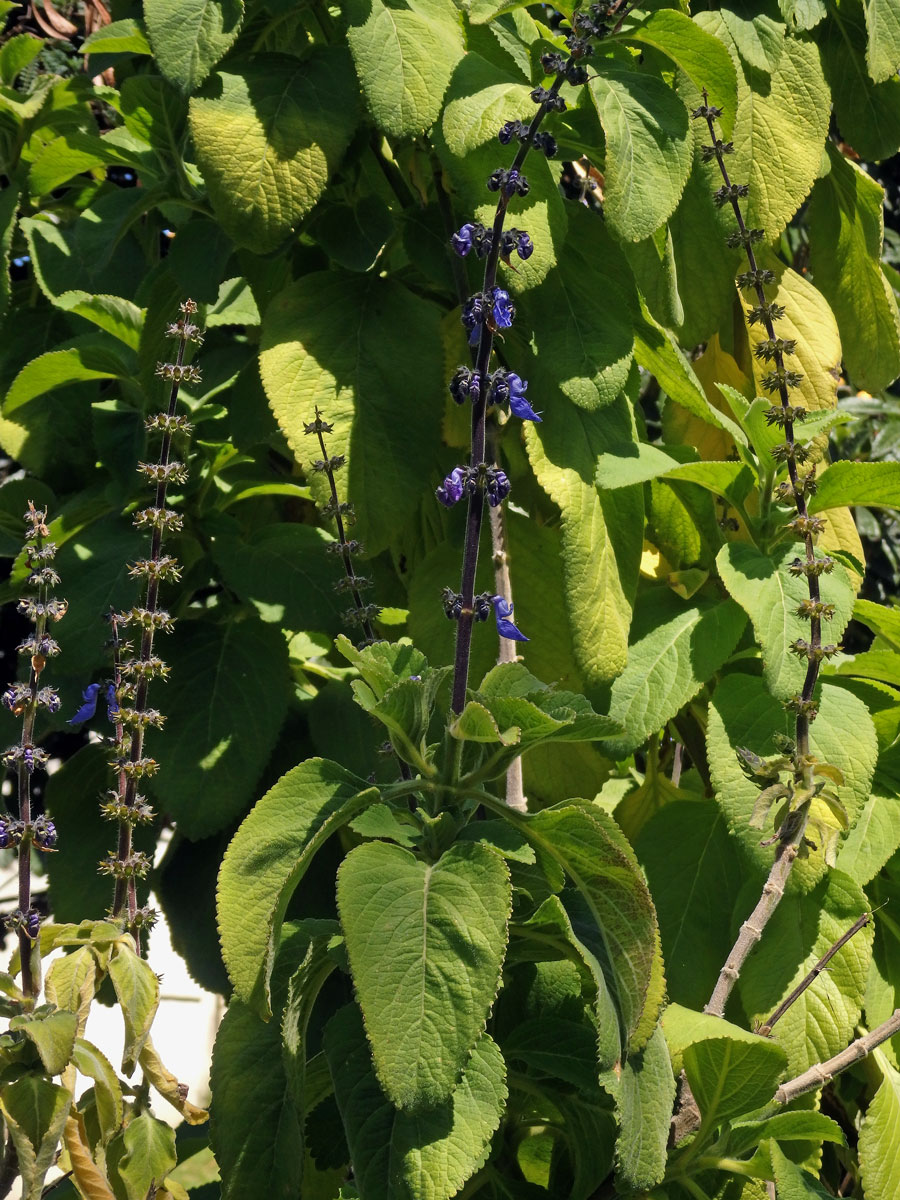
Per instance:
x=785, y=1127
x=284, y=571
x=759, y=40
x=791, y=1181
x=338, y=341
x=601, y=533
x=53, y=1036
x=149, y=1155
x=868, y=114
x=268, y=136
x=802, y=14
x=222, y=742
x=649, y=149
x=875, y=836
x=875, y=484
x=9, y=207
x=96, y=253
x=883, y=48
x=137, y=991
x=92, y=1064
x=579, y=319
x=71, y=983
x=704, y=264
x=255, y=1128
x=729, y=1077
x=793, y=111
x=694, y=893
x=404, y=58
x=644, y=1103
x=620, y=925
x=769, y=594
x=60, y=368
x=123, y=319
x=16, y=54
x=71, y=154
x=188, y=39
x=552, y=926
x=125, y=36
x=744, y=713
x=267, y=859
x=398, y=1155
x=880, y=619
x=557, y=1048
x=676, y=648
x=35, y=1111
x=702, y=57
x=156, y=113
x=846, y=236
x=878, y=1164
x=637, y=463
x=686, y=1027
x=426, y=946
x=821, y=1022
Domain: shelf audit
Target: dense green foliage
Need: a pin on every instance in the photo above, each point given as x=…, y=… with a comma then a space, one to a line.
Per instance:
x=433, y=988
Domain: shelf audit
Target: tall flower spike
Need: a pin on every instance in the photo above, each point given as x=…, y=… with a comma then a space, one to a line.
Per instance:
x=24, y=699
x=490, y=310
x=128, y=701
x=805, y=528
x=360, y=613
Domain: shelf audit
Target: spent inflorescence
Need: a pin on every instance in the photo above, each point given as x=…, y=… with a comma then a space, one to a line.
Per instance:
x=26, y=699
x=808, y=779
x=489, y=311
x=135, y=664
x=359, y=614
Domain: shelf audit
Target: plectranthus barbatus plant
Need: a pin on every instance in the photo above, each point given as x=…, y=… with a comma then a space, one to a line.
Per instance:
x=136, y=664
x=489, y=311
x=795, y=778
x=26, y=699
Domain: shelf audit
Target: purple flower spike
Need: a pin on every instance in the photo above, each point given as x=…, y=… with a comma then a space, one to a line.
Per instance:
x=503, y=308
x=451, y=490
x=89, y=708
x=503, y=610
x=518, y=405
x=462, y=240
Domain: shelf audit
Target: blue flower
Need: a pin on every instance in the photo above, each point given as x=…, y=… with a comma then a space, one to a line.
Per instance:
x=112, y=704
x=498, y=486
x=503, y=610
x=451, y=490
x=518, y=405
x=89, y=708
x=462, y=240
x=465, y=385
x=502, y=308
x=473, y=317
x=524, y=244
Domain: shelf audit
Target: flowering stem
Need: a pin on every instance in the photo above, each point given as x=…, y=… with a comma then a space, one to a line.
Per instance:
x=779, y=381
x=130, y=808
x=475, y=509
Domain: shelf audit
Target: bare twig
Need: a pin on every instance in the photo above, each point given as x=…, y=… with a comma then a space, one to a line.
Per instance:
x=752, y=929
x=820, y=966
x=515, y=792
x=820, y=1073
